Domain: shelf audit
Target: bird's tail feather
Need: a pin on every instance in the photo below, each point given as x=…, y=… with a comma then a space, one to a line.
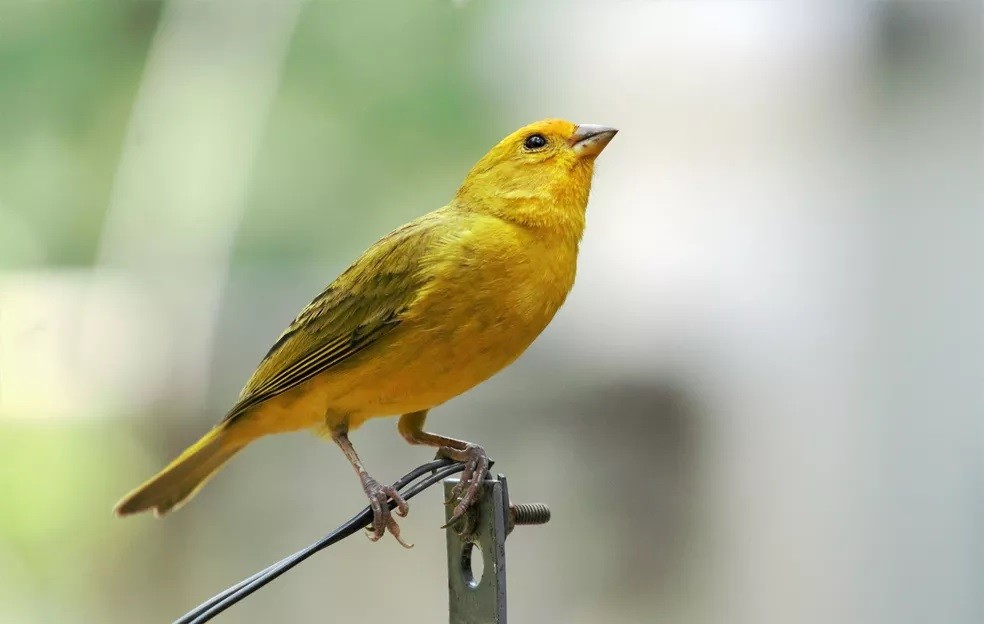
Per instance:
x=183, y=477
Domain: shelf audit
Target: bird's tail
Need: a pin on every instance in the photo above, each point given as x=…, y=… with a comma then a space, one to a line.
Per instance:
x=183, y=477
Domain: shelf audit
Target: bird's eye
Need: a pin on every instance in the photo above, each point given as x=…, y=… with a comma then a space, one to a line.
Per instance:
x=535, y=142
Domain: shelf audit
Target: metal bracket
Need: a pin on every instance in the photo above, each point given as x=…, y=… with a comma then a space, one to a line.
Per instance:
x=480, y=598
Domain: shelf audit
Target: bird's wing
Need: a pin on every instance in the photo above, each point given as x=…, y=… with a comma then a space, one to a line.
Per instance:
x=360, y=307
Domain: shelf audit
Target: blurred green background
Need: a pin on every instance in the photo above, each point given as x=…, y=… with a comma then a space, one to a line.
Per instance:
x=761, y=403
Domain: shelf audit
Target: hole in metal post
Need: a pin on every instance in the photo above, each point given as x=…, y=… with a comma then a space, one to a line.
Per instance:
x=472, y=565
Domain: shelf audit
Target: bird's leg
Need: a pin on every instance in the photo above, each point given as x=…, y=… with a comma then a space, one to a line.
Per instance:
x=475, y=458
x=378, y=494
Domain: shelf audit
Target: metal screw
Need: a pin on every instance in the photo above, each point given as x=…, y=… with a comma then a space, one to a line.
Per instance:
x=528, y=514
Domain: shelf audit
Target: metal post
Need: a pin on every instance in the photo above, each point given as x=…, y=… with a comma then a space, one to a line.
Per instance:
x=484, y=527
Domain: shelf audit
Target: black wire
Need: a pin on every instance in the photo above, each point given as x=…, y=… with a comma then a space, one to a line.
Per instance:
x=440, y=469
x=234, y=594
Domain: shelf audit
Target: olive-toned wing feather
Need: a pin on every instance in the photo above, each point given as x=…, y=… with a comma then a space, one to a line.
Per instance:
x=360, y=307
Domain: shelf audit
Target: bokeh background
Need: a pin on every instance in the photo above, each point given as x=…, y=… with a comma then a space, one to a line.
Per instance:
x=763, y=401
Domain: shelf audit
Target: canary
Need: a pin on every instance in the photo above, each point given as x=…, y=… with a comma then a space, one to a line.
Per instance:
x=428, y=312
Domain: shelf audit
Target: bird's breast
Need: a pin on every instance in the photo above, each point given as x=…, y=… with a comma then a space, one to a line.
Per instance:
x=489, y=307
x=486, y=303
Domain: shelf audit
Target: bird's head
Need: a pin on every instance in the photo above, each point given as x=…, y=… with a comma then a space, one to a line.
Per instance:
x=539, y=176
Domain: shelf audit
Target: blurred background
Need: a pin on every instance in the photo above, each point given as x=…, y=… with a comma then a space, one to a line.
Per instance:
x=763, y=401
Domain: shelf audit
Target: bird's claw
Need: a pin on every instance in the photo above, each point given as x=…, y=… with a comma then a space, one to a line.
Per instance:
x=466, y=490
x=382, y=517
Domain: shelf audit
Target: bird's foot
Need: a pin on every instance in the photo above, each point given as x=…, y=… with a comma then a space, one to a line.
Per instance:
x=476, y=468
x=382, y=518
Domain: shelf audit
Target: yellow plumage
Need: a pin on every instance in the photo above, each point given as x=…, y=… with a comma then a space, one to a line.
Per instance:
x=429, y=311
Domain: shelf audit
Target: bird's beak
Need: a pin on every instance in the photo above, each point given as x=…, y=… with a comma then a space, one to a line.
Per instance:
x=588, y=140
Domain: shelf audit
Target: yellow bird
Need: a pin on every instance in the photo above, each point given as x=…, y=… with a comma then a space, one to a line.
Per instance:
x=428, y=312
